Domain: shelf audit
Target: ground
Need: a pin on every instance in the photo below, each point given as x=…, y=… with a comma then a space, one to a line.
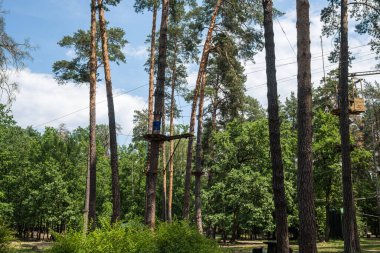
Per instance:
x=31, y=246
x=368, y=245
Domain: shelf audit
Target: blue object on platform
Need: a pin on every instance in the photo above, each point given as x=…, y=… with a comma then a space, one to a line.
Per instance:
x=156, y=125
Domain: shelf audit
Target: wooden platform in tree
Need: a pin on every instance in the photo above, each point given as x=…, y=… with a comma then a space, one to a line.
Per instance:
x=162, y=137
x=356, y=107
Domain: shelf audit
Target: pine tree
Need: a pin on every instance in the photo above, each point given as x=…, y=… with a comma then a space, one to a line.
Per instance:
x=90, y=205
x=151, y=178
x=274, y=133
x=305, y=189
x=116, y=208
x=351, y=241
x=202, y=69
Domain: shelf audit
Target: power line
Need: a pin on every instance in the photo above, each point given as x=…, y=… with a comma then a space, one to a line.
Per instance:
x=281, y=80
x=286, y=36
x=294, y=62
x=84, y=108
x=316, y=55
x=292, y=77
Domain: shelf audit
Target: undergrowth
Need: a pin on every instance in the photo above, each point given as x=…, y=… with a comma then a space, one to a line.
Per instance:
x=178, y=237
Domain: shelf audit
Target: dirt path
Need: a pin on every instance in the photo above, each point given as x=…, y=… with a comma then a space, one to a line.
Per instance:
x=31, y=246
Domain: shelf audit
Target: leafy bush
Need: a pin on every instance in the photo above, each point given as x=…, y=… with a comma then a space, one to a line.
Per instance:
x=72, y=242
x=178, y=237
x=6, y=236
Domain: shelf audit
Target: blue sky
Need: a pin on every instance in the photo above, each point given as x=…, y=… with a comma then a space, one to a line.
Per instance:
x=42, y=102
x=45, y=22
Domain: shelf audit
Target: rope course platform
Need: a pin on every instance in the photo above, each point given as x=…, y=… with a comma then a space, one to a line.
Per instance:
x=162, y=137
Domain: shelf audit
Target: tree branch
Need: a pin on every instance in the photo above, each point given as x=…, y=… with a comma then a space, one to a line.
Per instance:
x=367, y=5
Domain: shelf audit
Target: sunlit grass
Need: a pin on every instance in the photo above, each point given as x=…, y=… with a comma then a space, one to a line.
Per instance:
x=368, y=245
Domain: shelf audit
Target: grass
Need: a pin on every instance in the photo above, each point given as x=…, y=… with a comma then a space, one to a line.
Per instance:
x=368, y=245
x=30, y=246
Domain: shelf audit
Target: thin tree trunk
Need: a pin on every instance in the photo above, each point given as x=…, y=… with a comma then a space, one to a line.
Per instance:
x=90, y=202
x=164, y=177
x=116, y=208
x=151, y=76
x=151, y=178
x=198, y=158
x=171, y=165
x=349, y=217
x=327, y=225
x=274, y=133
x=375, y=162
x=202, y=69
x=151, y=84
x=214, y=103
x=305, y=184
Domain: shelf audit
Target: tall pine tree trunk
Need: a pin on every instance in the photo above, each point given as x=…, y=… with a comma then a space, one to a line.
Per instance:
x=116, y=208
x=351, y=244
x=151, y=177
x=327, y=211
x=151, y=75
x=171, y=162
x=151, y=83
x=202, y=69
x=274, y=133
x=305, y=184
x=90, y=202
x=92, y=151
x=164, y=176
x=199, y=158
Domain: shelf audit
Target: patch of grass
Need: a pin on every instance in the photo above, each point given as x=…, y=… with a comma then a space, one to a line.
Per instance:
x=30, y=246
x=335, y=246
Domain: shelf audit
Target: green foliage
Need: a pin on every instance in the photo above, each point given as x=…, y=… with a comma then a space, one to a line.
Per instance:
x=141, y=5
x=77, y=69
x=135, y=238
x=367, y=15
x=239, y=192
x=180, y=237
x=6, y=236
x=12, y=56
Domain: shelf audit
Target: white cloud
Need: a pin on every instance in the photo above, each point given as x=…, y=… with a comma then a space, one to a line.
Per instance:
x=42, y=102
x=140, y=52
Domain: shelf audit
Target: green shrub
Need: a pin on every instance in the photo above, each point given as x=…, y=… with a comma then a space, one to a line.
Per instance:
x=6, y=236
x=72, y=242
x=178, y=237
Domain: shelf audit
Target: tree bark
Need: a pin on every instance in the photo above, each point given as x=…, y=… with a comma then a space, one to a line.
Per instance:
x=92, y=150
x=116, y=208
x=151, y=84
x=274, y=133
x=199, y=158
x=151, y=77
x=171, y=165
x=202, y=69
x=305, y=184
x=90, y=200
x=151, y=178
x=349, y=216
x=327, y=225
x=375, y=165
x=164, y=178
